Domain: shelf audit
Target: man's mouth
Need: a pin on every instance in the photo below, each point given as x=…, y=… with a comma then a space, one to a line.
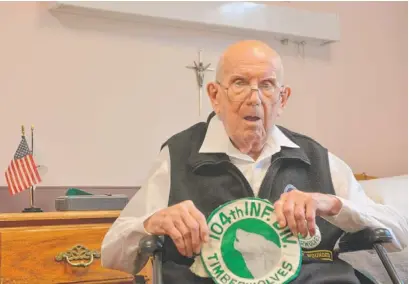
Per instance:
x=251, y=118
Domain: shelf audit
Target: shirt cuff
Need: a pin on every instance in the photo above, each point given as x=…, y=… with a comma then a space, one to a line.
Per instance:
x=145, y=231
x=349, y=218
x=139, y=227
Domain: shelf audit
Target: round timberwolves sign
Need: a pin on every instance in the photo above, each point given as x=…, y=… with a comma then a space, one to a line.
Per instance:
x=247, y=246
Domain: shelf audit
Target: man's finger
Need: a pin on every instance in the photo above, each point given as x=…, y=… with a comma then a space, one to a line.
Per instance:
x=310, y=217
x=288, y=210
x=175, y=235
x=278, y=208
x=299, y=215
x=186, y=235
x=193, y=226
x=200, y=218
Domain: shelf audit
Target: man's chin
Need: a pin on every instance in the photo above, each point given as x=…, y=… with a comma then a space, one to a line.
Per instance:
x=253, y=140
x=254, y=134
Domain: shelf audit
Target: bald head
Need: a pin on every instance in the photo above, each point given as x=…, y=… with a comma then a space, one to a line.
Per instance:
x=248, y=52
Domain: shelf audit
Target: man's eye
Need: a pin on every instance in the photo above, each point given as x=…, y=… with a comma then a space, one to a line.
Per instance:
x=240, y=82
x=267, y=85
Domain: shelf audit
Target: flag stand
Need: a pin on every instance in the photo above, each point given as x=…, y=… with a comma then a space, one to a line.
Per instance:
x=32, y=207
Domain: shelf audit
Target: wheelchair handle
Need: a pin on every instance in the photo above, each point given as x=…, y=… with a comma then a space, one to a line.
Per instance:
x=381, y=251
x=150, y=247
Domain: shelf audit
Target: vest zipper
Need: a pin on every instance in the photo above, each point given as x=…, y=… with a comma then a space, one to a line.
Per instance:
x=273, y=174
x=261, y=189
x=242, y=179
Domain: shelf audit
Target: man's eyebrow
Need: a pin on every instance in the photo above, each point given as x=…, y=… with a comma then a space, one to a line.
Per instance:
x=234, y=76
x=274, y=79
x=237, y=76
x=269, y=78
x=243, y=76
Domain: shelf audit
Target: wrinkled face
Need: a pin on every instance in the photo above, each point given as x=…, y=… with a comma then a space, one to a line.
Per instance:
x=249, y=120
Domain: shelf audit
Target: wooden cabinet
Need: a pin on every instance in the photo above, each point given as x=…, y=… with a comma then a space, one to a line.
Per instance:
x=56, y=247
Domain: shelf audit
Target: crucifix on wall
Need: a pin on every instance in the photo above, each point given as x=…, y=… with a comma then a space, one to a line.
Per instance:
x=200, y=69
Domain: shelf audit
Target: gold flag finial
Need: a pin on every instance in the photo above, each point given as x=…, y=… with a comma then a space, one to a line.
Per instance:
x=22, y=130
x=32, y=127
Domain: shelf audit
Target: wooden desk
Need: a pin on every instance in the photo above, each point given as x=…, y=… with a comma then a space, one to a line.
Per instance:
x=56, y=247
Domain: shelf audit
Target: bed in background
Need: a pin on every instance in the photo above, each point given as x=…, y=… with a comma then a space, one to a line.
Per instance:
x=391, y=191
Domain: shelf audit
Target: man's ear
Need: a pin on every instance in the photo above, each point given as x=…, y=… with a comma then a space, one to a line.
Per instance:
x=213, y=93
x=285, y=94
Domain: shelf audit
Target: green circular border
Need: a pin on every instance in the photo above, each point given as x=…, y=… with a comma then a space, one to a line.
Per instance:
x=296, y=273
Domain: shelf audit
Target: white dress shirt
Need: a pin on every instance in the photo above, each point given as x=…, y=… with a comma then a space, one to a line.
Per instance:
x=119, y=247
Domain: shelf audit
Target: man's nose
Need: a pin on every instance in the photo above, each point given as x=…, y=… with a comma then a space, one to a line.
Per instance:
x=255, y=96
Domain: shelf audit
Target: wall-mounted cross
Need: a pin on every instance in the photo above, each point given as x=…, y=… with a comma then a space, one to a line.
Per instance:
x=200, y=69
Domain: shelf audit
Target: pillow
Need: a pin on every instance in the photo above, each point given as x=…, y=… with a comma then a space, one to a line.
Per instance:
x=392, y=191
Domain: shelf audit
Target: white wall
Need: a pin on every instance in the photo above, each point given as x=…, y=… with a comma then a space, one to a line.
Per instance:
x=104, y=95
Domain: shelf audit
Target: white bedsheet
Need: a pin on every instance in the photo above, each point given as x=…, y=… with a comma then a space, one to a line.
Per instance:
x=391, y=191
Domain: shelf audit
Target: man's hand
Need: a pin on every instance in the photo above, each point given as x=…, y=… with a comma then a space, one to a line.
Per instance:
x=183, y=223
x=298, y=209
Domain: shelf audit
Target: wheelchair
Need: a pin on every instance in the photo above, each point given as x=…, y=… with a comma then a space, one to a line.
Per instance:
x=151, y=248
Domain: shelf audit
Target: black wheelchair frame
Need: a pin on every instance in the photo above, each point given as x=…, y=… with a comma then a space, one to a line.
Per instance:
x=151, y=247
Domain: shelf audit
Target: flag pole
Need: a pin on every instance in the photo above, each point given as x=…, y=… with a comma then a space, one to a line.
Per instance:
x=32, y=208
x=32, y=153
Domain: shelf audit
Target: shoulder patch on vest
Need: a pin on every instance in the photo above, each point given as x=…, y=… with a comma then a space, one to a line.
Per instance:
x=246, y=244
x=288, y=188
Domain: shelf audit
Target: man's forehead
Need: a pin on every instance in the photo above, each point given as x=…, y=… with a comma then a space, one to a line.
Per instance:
x=250, y=68
x=250, y=59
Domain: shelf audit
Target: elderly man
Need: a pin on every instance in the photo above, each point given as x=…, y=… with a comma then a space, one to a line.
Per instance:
x=240, y=152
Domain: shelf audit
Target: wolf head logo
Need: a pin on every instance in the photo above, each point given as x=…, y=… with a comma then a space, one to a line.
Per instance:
x=259, y=254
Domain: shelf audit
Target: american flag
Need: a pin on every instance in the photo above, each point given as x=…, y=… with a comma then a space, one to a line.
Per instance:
x=22, y=173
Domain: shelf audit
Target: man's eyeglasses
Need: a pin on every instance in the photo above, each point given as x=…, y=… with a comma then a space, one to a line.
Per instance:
x=240, y=89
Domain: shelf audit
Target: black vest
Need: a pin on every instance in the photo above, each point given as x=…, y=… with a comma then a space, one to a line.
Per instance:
x=210, y=180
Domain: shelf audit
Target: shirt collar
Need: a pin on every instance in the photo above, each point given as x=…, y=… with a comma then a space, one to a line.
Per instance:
x=217, y=141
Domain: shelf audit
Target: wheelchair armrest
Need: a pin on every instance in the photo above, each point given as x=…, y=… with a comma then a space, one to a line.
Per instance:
x=149, y=246
x=369, y=239
x=365, y=239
